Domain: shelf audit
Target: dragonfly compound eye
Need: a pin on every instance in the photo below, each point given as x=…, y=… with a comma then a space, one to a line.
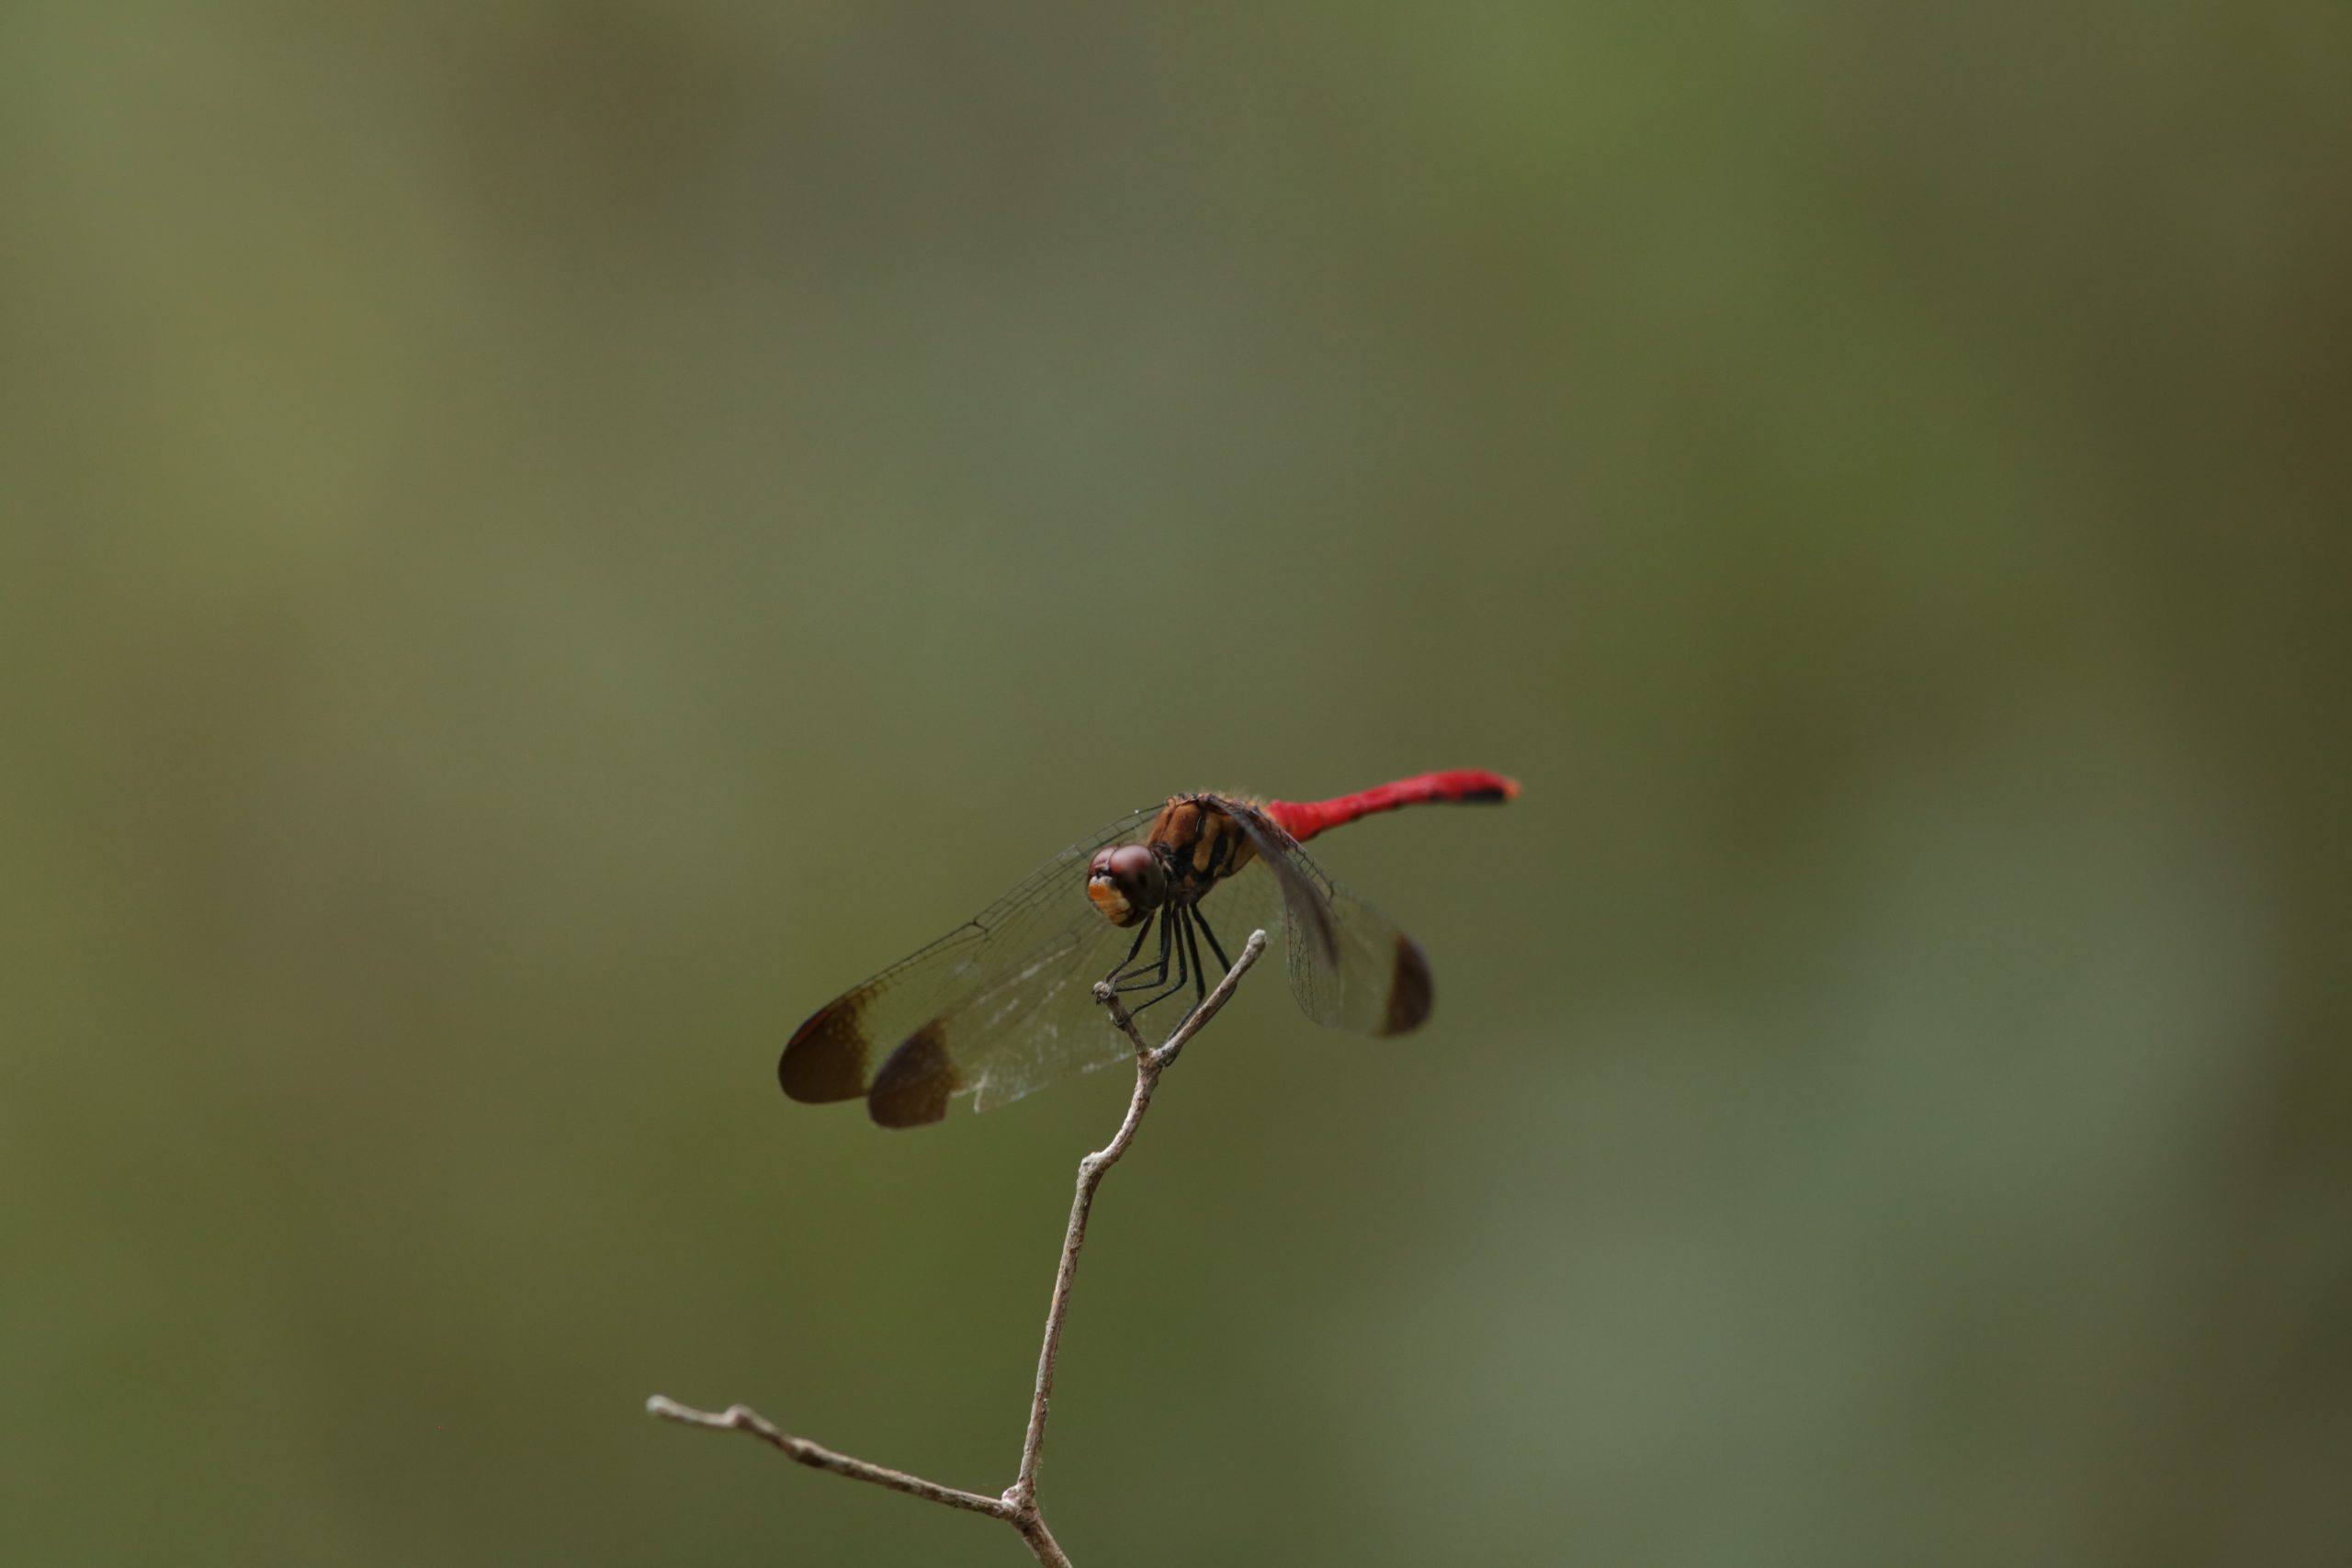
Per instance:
x=1125, y=882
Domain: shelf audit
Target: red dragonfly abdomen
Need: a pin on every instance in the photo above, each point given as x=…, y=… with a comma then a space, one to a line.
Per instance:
x=1303, y=820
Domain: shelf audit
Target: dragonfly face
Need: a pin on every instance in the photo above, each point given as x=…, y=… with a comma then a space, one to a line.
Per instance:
x=1127, y=882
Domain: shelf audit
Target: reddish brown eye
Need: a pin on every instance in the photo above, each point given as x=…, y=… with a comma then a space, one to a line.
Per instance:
x=1125, y=882
x=1136, y=871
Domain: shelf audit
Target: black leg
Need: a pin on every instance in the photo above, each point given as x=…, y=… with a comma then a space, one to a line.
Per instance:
x=1223, y=964
x=1184, y=973
x=1193, y=945
x=1142, y=979
x=1133, y=948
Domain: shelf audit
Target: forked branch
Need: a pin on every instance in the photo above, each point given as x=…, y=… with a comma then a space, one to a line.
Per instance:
x=1018, y=1504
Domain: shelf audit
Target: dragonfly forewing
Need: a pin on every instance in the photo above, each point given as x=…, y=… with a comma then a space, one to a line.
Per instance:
x=920, y=1011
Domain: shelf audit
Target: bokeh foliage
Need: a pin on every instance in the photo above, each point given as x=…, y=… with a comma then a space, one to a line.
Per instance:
x=539, y=541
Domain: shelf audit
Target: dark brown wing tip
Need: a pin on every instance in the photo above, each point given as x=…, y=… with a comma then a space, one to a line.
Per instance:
x=914, y=1086
x=825, y=1059
x=1410, y=990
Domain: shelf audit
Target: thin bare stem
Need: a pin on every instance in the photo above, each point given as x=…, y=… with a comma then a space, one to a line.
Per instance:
x=1149, y=1064
x=816, y=1456
x=1017, y=1507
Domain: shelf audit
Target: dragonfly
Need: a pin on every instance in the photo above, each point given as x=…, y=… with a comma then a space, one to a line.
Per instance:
x=1004, y=1004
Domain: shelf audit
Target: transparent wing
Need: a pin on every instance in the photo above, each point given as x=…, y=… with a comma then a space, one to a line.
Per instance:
x=1351, y=966
x=995, y=989
x=1039, y=1023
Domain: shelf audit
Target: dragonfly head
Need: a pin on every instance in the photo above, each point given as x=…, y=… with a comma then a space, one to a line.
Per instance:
x=1126, y=882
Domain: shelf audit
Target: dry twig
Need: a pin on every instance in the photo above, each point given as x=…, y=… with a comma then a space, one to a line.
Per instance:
x=1018, y=1506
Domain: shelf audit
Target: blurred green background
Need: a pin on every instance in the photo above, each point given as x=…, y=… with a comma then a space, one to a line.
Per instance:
x=538, y=542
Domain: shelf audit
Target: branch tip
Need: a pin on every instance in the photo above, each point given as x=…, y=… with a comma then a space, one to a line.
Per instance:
x=1018, y=1506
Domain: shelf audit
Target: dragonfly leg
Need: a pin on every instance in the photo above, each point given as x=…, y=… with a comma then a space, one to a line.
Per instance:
x=1193, y=945
x=1140, y=980
x=1183, y=972
x=1223, y=963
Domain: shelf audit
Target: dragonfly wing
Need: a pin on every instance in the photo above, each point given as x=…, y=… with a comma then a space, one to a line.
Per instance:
x=1351, y=967
x=972, y=974
x=1380, y=982
x=1027, y=1025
